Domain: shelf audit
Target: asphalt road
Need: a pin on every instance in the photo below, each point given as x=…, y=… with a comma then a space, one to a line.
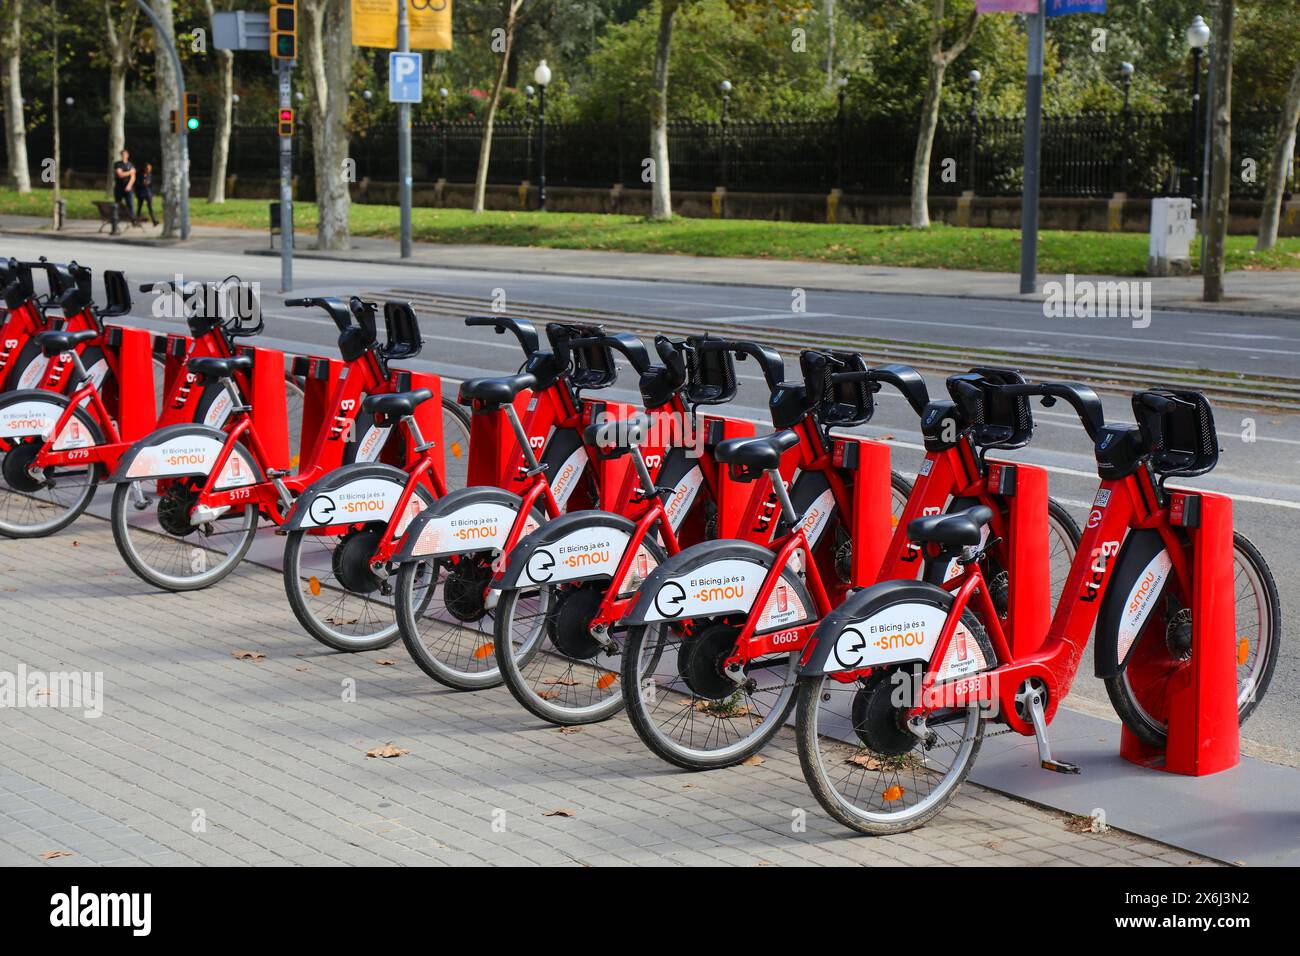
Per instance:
x=1261, y=474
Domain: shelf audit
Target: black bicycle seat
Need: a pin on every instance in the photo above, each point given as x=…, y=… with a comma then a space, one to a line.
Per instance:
x=493, y=392
x=615, y=437
x=957, y=530
x=397, y=404
x=756, y=454
x=213, y=368
x=55, y=343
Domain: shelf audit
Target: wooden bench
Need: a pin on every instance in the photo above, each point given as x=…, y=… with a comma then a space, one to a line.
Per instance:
x=110, y=214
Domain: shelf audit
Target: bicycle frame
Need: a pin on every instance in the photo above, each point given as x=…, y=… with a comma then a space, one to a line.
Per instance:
x=1120, y=506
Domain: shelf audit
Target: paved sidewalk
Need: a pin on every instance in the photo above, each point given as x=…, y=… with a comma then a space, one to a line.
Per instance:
x=1256, y=293
x=200, y=757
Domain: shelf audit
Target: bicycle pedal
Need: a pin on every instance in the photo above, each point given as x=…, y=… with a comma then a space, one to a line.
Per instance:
x=277, y=472
x=1058, y=766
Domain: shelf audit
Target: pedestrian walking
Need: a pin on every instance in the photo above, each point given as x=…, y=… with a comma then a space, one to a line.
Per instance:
x=123, y=181
x=144, y=193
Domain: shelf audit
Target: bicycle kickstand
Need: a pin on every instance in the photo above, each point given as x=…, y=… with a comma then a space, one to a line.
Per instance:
x=1031, y=699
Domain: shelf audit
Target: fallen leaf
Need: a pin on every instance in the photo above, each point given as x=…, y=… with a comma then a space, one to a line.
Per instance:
x=387, y=750
x=385, y=662
x=560, y=813
x=43, y=692
x=56, y=854
x=754, y=761
x=302, y=669
x=76, y=544
x=865, y=760
x=248, y=655
x=561, y=681
x=570, y=730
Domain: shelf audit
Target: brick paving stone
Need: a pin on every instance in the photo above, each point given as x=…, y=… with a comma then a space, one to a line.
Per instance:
x=274, y=759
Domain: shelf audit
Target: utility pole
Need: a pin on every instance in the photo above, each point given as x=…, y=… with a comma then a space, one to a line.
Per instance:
x=404, y=137
x=1033, y=156
x=285, y=69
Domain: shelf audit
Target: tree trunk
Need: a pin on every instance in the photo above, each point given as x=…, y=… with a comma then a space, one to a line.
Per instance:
x=940, y=59
x=225, y=110
x=1283, y=153
x=166, y=87
x=661, y=192
x=11, y=41
x=1216, y=229
x=328, y=64
x=118, y=40
x=485, y=144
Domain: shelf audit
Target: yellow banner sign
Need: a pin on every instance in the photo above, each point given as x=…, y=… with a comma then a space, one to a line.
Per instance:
x=374, y=23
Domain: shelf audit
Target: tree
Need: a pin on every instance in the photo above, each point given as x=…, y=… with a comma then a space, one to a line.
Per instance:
x=11, y=43
x=166, y=88
x=1283, y=150
x=120, y=20
x=328, y=65
x=503, y=43
x=939, y=60
x=225, y=116
x=1216, y=215
x=661, y=197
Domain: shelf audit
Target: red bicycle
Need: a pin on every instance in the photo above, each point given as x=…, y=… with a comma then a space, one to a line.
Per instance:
x=715, y=633
x=23, y=365
x=897, y=685
x=189, y=497
x=59, y=445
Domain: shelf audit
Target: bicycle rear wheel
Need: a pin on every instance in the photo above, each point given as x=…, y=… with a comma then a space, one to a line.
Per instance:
x=36, y=505
x=687, y=709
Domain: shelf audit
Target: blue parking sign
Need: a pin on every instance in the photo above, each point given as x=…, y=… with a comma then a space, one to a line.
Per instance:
x=404, y=78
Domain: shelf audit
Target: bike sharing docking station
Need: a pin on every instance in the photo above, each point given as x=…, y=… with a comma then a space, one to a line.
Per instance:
x=269, y=404
x=134, y=407
x=1204, y=735
x=873, y=530
x=1029, y=611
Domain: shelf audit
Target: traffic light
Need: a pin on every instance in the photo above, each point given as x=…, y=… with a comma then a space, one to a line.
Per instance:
x=191, y=112
x=284, y=29
x=176, y=125
x=286, y=122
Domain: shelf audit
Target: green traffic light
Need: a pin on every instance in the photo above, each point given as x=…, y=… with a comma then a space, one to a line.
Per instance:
x=192, y=122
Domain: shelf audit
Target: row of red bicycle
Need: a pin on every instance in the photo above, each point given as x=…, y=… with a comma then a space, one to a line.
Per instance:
x=666, y=558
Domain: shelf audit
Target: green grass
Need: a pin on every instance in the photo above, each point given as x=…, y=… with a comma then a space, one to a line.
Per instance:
x=940, y=247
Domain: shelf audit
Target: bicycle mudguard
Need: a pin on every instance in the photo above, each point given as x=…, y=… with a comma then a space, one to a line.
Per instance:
x=466, y=521
x=709, y=579
x=893, y=623
x=362, y=492
x=683, y=475
x=37, y=412
x=579, y=547
x=811, y=495
x=565, y=458
x=1142, y=568
x=183, y=450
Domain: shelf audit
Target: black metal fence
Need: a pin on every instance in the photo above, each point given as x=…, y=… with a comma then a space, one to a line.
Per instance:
x=1091, y=155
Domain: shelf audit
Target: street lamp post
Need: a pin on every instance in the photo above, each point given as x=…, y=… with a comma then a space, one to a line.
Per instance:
x=973, y=115
x=443, y=93
x=1126, y=80
x=234, y=132
x=541, y=76
x=529, y=93
x=725, y=88
x=842, y=85
x=1198, y=35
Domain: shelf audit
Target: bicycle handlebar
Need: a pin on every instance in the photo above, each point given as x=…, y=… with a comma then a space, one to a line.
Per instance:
x=522, y=329
x=906, y=379
x=631, y=347
x=335, y=307
x=1081, y=398
x=768, y=359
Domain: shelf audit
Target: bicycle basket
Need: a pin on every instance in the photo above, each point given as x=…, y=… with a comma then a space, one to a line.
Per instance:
x=995, y=420
x=117, y=295
x=710, y=372
x=1177, y=428
x=402, y=331
x=838, y=403
x=18, y=287
x=590, y=366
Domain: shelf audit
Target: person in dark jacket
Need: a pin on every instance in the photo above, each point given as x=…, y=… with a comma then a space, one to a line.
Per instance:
x=123, y=181
x=144, y=193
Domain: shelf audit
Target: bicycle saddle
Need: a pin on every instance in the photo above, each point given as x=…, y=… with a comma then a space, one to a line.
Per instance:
x=756, y=454
x=616, y=437
x=212, y=367
x=958, y=530
x=493, y=392
x=397, y=404
x=55, y=343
